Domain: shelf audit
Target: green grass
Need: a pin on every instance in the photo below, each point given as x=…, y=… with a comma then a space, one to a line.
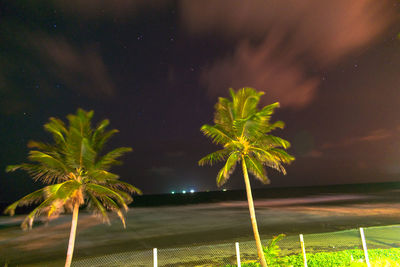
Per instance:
x=352, y=258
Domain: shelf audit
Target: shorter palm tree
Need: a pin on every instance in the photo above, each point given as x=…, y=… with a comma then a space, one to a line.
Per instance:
x=76, y=172
x=243, y=131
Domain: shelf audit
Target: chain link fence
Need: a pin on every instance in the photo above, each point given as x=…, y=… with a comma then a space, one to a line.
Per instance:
x=383, y=237
x=225, y=254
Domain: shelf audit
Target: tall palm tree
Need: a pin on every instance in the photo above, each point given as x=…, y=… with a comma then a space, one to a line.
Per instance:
x=243, y=131
x=76, y=171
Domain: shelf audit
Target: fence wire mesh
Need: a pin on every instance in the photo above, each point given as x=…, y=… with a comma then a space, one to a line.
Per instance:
x=383, y=237
x=211, y=255
x=225, y=254
x=131, y=258
x=331, y=242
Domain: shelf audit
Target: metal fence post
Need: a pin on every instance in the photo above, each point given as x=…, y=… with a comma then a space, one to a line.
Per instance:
x=364, y=247
x=155, y=257
x=303, y=249
x=237, y=254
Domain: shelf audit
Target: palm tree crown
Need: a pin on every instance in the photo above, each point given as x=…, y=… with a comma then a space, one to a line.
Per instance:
x=75, y=170
x=243, y=131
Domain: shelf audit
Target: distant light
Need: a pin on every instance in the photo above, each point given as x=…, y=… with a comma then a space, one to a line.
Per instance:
x=173, y=192
x=224, y=189
x=184, y=192
x=191, y=191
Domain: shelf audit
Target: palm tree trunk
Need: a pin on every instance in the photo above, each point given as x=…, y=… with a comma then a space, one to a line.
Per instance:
x=253, y=215
x=71, y=243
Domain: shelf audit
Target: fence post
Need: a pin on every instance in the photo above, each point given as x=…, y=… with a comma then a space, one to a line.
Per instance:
x=155, y=257
x=364, y=247
x=237, y=254
x=303, y=249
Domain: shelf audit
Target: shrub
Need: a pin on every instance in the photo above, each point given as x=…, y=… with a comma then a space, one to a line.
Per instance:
x=351, y=258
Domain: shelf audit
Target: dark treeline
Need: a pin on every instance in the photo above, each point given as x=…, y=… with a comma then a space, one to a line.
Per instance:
x=240, y=195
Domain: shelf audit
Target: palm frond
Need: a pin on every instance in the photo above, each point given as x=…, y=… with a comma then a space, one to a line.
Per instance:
x=47, y=160
x=118, y=184
x=98, y=133
x=12, y=168
x=28, y=221
x=101, y=139
x=113, y=206
x=98, y=175
x=109, y=159
x=96, y=206
x=227, y=170
x=250, y=103
x=275, y=125
x=87, y=154
x=260, y=122
x=32, y=198
x=282, y=155
x=223, y=113
x=256, y=168
x=103, y=191
x=63, y=190
x=268, y=110
x=42, y=146
x=126, y=196
x=271, y=141
x=217, y=135
x=217, y=156
x=245, y=102
x=81, y=122
x=54, y=196
x=57, y=128
x=70, y=162
x=40, y=172
x=243, y=130
x=272, y=158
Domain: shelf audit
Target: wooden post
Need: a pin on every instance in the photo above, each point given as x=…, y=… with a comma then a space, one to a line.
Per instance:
x=364, y=247
x=303, y=250
x=237, y=254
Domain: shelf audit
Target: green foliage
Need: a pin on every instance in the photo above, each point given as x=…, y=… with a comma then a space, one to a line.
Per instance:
x=244, y=132
x=272, y=251
x=75, y=170
x=351, y=258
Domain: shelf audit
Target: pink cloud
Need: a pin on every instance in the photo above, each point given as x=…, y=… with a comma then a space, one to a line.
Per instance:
x=376, y=135
x=280, y=43
x=259, y=67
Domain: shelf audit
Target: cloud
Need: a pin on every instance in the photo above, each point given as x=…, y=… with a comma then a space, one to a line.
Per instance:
x=279, y=45
x=376, y=135
x=281, y=77
x=82, y=69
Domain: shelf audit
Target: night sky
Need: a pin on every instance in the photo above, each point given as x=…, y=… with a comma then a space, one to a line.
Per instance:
x=156, y=68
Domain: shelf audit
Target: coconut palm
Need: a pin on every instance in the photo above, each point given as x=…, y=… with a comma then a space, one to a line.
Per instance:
x=243, y=131
x=75, y=170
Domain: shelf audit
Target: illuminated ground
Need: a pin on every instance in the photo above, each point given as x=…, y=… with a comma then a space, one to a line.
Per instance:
x=181, y=226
